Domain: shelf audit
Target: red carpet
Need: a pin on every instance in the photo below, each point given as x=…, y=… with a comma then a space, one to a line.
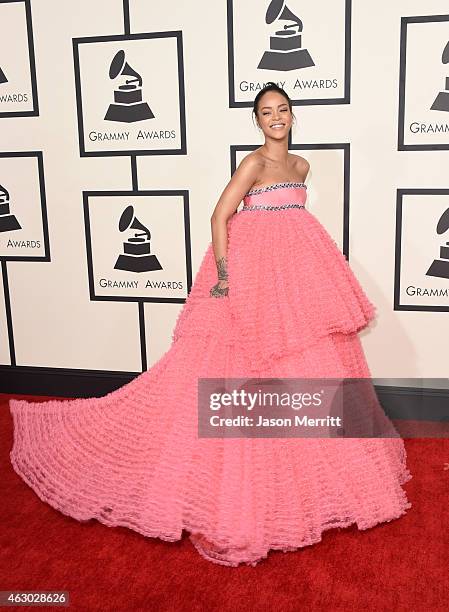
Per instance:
x=402, y=565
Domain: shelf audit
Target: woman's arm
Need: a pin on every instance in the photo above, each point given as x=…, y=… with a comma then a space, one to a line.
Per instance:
x=242, y=180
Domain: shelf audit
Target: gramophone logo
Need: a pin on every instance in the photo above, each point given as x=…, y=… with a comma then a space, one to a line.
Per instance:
x=440, y=267
x=23, y=210
x=136, y=256
x=8, y=221
x=422, y=250
x=18, y=87
x=288, y=42
x=138, y=245
x=128, y=105
x=286, y=52
x=120, y=111
x=441, y=102
x=423, y=122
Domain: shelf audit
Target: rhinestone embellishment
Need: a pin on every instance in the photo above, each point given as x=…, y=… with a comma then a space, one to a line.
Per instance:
x=275, y=186
x=268, y=207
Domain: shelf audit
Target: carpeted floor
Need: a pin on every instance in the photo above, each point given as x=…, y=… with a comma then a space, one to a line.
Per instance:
x=402, y=565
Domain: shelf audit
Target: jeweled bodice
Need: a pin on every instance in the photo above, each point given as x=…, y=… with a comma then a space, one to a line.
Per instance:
x=277, y=196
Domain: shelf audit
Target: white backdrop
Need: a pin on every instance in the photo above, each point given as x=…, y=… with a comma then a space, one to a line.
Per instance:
x=359, y=165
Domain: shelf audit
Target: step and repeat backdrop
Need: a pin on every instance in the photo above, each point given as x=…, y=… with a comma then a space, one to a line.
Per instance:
x=121, y=122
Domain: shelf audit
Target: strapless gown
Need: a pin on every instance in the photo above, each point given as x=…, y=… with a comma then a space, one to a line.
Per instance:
x=133, y=457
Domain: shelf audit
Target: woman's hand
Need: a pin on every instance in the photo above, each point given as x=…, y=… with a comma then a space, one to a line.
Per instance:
x=221, y=289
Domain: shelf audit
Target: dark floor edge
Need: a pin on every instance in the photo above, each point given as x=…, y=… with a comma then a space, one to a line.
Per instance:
x=399, y=402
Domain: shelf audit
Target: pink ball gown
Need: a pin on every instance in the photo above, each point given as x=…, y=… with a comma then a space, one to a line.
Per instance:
x=134, y=458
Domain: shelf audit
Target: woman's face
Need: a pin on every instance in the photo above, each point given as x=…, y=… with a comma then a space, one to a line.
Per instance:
x=274, y=115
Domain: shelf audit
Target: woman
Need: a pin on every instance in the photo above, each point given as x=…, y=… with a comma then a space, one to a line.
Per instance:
x=273, y=297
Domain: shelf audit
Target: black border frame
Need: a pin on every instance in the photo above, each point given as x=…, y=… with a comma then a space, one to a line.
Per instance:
x=46, y=237
x=177, y=34
x=346, y=99
x=400, y=193
x=29, y=24
x=137, y=193
x=402, y=73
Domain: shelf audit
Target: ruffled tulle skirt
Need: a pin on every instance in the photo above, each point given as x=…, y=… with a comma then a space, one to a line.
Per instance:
x=134, y=458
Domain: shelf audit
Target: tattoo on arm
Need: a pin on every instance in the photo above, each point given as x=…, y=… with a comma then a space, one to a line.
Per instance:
x=222, y=267
x=218, y=291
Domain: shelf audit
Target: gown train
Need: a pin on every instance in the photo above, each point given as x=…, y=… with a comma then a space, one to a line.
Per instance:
x=134, y=458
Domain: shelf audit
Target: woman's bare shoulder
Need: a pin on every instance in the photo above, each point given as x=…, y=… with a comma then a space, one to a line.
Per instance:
x=254, y=158
x=299, y=161
x=301, y=164
x=251, y=166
